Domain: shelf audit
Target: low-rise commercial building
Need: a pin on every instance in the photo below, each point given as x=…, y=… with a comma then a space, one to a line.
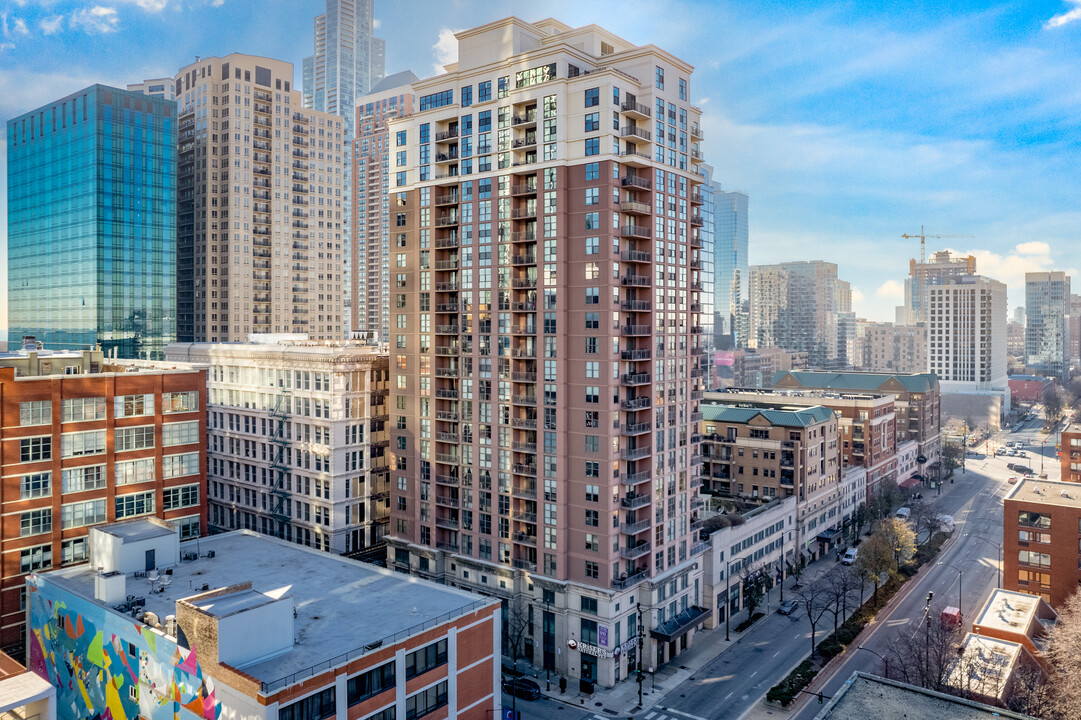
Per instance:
x=81, y=449
x=298, y=440
x=1040, y=550
x=24, y=695
x=240, y=625
x=1027, y=388
x=869, y=696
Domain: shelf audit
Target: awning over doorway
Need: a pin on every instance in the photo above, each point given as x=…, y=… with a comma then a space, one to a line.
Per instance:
x=672, y=629
x=829, y=535
x=910, y=483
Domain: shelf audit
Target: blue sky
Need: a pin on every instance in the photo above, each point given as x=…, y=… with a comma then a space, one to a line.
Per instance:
x=847, y=123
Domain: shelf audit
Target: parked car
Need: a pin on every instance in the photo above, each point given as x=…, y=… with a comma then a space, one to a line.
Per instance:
x=850, y=556
x=1022, y=454
x=1012, y=480
x=903, y=513
x=522, y=687
x=787, y=607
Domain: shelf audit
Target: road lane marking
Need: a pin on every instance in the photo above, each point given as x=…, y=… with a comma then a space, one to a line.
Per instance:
x=650, y=716
x=688, y=715
x=728, y=695
x=754, y=673
x=776, y=653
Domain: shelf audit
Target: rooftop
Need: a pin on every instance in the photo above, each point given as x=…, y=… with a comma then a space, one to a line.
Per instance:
x=985, y=665
x=342, y=605
x=867, y=696
x=911, y=382
x=796, y=416
x=1046, y=492
x=1014, y=612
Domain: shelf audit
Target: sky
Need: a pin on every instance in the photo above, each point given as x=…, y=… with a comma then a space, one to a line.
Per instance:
x=847, y=123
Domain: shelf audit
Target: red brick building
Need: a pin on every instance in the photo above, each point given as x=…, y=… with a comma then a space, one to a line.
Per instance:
x=1070, y=453
x=1027, y=388
x=1040, y=539
x=84, y=449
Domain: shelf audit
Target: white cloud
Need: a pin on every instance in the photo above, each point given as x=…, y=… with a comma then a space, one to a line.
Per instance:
x=376, y=23
x=1033, y=248
x=891, y=289
x=4, y=46
x=152, y=5
x=857, y=296
x=445, y=50
x=51, y=25
x=98, y=19
x=20, y=27
x=1066, y=17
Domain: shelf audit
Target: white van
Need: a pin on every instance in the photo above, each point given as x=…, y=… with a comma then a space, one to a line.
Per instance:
x=849, y=556
x=903, y=513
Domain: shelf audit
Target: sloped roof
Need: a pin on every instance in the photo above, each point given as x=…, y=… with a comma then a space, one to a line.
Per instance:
x=405, y=77
x=801, y=417
x=911, y=382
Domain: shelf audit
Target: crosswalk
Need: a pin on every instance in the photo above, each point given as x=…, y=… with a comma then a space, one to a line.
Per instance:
x=660, y=713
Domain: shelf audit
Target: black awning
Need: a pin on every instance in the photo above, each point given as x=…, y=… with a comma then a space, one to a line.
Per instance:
x=672, y=629
x=828, y=535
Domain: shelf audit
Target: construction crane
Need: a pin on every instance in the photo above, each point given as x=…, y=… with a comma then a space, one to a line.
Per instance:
x=923, y=241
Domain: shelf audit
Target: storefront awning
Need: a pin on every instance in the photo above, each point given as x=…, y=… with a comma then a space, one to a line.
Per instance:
x=910, y=483
x=829, y=535
x=672, y=629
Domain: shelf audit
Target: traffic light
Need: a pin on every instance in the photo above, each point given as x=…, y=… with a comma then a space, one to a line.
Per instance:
x=930, y=595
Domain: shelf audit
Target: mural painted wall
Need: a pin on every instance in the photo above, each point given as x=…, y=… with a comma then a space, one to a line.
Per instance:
x=107, y=666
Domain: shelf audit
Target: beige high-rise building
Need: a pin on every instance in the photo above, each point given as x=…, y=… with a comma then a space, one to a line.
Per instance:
x=259, y=233
x=886, y=347
x=546, y=345
x=941, y=266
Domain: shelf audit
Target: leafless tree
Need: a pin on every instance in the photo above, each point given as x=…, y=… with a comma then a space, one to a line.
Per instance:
x=517, y=627
x=1064, y=652
x=814, y=600
x=1032, y=692
x=841, y=582
x=925, y=655
x=924, y=519
x=753, y=581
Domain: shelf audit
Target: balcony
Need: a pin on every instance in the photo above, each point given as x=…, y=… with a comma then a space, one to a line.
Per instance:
x=525, y=538
x=629, y=580
x=635, y=404
x=634, y=131
x=446, y=243
x=527, y=491
x=635, y=330
x=528, y=377
x=526, y=517
x=633, y=158
x=446, y=287
x=446, y=523
x=446, y=135
x=447, y=199
x=524, y=399
x=636, y=182
x=696, y=198
x=697, y=221
x=637, y=354
x=635, y=231
x=443, y=394
x=525, y=283
x=526, y=447
x=524, y=423
x=445, y=501
x=447, y=480
x=634, y=428
x=635, y=551
x=635, y=528
x=525, y=189
x=525, y=353
x=697, y=155
x=529, y=259
x=447, y=350
x=635, y=208
x=447, y=329
x=696, y=132
x=530, y=118
x=638, y=256
x=527, y=565
x=525, y=469
x=446, y=415
x=635, y=379
x=447, y=308
x=636, y=478
x=446, y=220
x=444, y=265
x=526, y=236
x=523, y=306
x=637, y=305
x=635, y=108
x=523, y=213
x=447, y=458
x=633, y=501
x=637, y=453
x=447, y=546
x=447, y=437
x=529, y=141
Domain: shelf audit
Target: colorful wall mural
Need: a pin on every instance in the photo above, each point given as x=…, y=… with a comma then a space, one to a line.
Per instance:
x=108, y=666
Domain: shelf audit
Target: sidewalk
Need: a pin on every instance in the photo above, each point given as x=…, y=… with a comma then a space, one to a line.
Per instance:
x=622, y=700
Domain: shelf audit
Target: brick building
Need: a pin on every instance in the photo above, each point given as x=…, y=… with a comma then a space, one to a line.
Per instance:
x=1070, y=453
x=1040, y=536
x=84, y=449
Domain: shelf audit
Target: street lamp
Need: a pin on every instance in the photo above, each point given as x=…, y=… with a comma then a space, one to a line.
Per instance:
x=959, y=574
x=641, y=641
x=885, y=660
x=544, y=651
x=727, y=598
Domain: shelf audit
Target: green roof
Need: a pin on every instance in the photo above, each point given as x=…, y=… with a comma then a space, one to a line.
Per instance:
x=802, y=417
x=866, y=381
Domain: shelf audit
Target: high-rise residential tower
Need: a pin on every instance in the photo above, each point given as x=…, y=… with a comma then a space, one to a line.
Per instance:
x=546, y=342
x=348, y=61
x=92, y=199
x=370, y=247
x=922, y=275
x=967, y=346
x=801, y=306
x=1047, y=326
x=730, y=241
x=261, y=191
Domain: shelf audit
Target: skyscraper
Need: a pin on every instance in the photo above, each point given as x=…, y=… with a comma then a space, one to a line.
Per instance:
x=1047, y=323
x=260, y=220
x=921, y=275
x=546, y=342
x=92, y=222
x=800, y=306
x=370, y=248
x=348, y=61
x=730, y=242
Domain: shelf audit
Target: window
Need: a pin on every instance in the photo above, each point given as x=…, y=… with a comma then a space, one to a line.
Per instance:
x=592, y=571
x=467, y=96
x=77, y=444
x=421, y=661
x=426, y=701
x=319, y=706
x=377, y=680
x=535, y=76
x=593, y=121
x=593, y=97
x=593, y=491
x=189, y=526
x=592, y=543
x=1033, y=519
x=173, y=466
x=682, y=89
x=35, y=449
x=133, y=438
x=660, y=79
x=78, y=479
x=436, y=100
x=36, y=412
x=179, y=497
x=593, y=321
x=593, y=171
x=388, y=713
x=134, y=504
x=399, y=138
x=593, y=296
x=593, y=221
x=589, y=605
x=1027, y=557
x=129, y=472
x=133, y=405
x=593, y=197
x=35, y=522
x=39, y=557
x=82, y=409
x=593, y=518
x=181, y=433
x=593, y=146
x=35, y=485
x=77, y=515
x=75, y=551
x=180, y=402
x=592, y=245
x=484, y=91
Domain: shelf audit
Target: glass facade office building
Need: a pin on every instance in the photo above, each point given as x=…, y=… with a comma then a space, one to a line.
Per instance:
x=92, y=223
x=731, y=234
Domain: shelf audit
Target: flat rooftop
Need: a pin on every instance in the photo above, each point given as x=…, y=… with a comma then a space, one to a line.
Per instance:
x=985, y=665
x=342, y=605
x=141, y=529
x=1012, y=612
x=868, y=696
x=1046, y=492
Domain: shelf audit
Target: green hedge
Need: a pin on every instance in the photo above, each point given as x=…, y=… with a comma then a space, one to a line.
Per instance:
x=785, y=691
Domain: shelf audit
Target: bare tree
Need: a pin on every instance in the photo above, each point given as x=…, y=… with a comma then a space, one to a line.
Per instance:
x=841, y=582
x=1054, y=400
x=1032, y=692
x=753, y=582
x=874, y=559
x=814, y=600
x=517, y=627
x=1064, y=652
x=924, y=519
x=925, y=656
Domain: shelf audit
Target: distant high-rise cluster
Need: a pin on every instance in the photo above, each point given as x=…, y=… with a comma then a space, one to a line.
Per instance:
x=732, y=275
x=1048, y=311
